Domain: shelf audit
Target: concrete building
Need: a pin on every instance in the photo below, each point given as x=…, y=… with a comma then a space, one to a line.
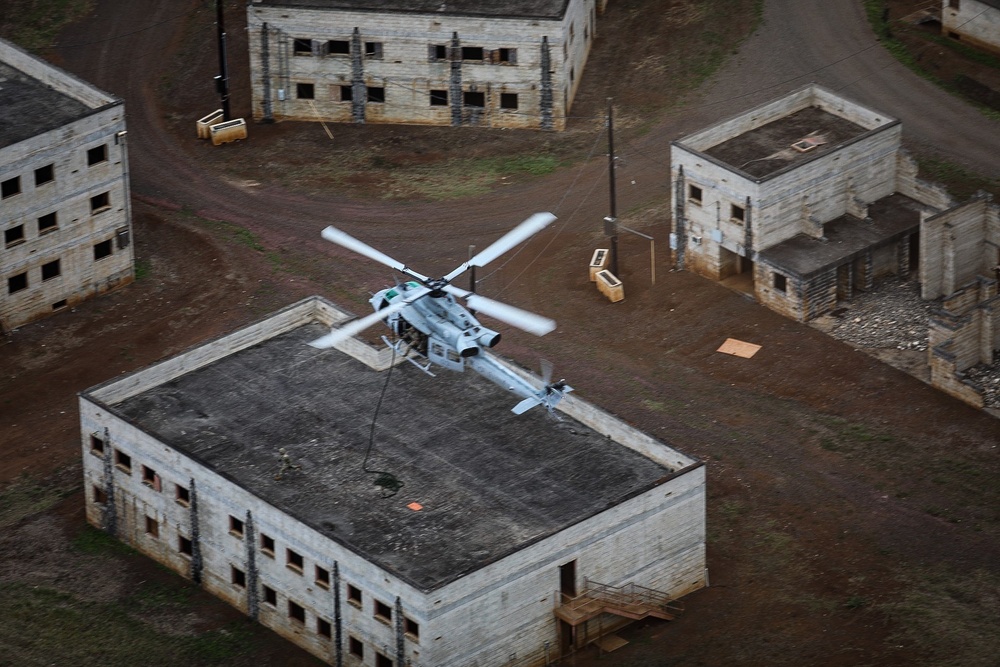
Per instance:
x=974, y=21
x=960, y=269
x=64, y=198
x=804, y=200
x=458, y=534
x=513, y=64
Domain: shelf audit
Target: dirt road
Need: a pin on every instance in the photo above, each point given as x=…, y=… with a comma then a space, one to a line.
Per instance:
x=838, y=486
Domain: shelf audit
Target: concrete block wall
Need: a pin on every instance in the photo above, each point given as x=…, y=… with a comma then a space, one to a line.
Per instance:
x=78, y=227
x=407, y=72
x=908, y=183
x=656, y=539
x=975, y=22
x=957, y=245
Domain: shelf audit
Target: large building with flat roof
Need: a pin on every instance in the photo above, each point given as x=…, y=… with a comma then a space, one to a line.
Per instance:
x=802, y=201
x=64, y=198
x=510, y=64
x=449, y=532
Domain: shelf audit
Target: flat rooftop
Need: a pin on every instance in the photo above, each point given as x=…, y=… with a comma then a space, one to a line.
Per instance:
x=29, y=107
x=846, y=238
x=490, y=482
x=540, y=9
x=768, y=149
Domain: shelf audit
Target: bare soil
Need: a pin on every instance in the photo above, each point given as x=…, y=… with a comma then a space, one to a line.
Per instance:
x=847, y=500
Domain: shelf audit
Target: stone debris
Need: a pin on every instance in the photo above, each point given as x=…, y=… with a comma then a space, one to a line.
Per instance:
x=892, y=315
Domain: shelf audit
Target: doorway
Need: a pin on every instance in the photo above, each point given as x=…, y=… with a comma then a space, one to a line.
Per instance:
x=567, y=581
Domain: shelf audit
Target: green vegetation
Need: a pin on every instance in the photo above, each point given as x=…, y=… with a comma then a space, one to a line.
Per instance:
x=33, y=24
x=27, y=496
x=94, y=541
x=960, y=182
x=944, y=612
x=45, y=626
x=142, y=269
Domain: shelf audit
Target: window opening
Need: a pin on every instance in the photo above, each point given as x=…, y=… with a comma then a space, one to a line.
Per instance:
x=102, y=250
x=17, y=283
x=376, y=95
x=383, y=612
x=508, y=56
x=97, y=155
x=356, y=648
x=149, y=477
x=45, y=175
x=439, y=98
x=51, y=270
x=737, y=213
x=323, y=628
x=235, y=527
x=13, y=236
x=346, y=93
x=437, y=52
x=354, y=595
x=373, y=50
x=96, y=444
x=47, y=223
x=100, y=497
x=123, y=461
x=237, y=576
x=472, y=99
x=305, y=91
x=382, y=660
x=267, y=545
x=294, y=560
x=411, y=628
x=182, y=495
x=10, y=187
x=780, y=282
x=296, y=612
x=60, y=304
x=338, y=47
x=508, y=101
x=302, y=47
x=472, y=53
x=185, y=546
x=694, y=194
x=152, y=527
x=100, y=203
x=270, y=596
x=322, y=577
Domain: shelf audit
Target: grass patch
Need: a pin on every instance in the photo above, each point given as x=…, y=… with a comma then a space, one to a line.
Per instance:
x=34, y=24
x=28, y=496
x=92, y=541
x=959, y=181
x=143, y=269
x=950, y=616
x=43, y=626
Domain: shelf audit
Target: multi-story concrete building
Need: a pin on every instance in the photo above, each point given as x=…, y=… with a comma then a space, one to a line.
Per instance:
x=974, y=21
x=64, y=199
x=445, y=531
x=808, y=198
x=461, y=62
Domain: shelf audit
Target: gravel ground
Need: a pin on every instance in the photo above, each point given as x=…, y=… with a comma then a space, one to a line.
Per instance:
x=893, y=316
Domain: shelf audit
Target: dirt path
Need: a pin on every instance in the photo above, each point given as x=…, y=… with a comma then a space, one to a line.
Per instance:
x=830, y=474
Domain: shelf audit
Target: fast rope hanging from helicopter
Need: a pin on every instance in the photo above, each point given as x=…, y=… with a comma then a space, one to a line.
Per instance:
x=390, y=483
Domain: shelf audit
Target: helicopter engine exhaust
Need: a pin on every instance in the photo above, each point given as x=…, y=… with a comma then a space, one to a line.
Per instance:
x=488, y=338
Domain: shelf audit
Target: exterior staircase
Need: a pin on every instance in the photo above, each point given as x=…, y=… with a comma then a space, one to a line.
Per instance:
x=628, y=601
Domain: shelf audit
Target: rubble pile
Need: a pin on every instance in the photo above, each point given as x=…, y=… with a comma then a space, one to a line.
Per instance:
x=890, y=316
x=987, y=377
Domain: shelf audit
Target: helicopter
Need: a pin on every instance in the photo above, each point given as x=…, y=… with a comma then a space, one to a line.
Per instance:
x=431, y=327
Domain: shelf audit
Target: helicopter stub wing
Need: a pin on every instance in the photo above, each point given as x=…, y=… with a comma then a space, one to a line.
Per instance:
x=522, y=319
x=345, y=240
x=522, y=232
x=357, y=326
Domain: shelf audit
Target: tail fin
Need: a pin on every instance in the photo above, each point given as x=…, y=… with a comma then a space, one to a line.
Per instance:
x=550, y=395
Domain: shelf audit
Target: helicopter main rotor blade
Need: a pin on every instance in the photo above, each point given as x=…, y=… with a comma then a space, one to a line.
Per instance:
x=357, y=326
x=522, y=232
x=522, y=319
x=343, y=239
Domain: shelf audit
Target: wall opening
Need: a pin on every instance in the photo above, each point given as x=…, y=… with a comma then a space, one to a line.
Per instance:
x=567, y=580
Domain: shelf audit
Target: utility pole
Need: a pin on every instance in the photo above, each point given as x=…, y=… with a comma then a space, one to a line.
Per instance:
x=611, y=222
x=222, y=80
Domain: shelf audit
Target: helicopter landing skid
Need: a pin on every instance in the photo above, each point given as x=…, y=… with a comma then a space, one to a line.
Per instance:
x=405, y=350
